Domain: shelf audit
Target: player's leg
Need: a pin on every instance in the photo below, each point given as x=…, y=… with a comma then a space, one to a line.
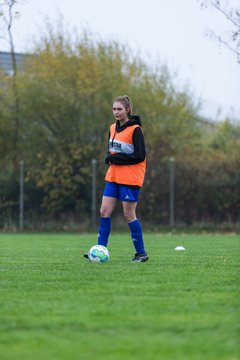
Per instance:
x=109, y=200
x=107, y=206
x=106, y=210
x=129, y=211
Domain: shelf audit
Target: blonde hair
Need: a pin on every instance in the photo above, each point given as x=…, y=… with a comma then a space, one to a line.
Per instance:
x=125, y=100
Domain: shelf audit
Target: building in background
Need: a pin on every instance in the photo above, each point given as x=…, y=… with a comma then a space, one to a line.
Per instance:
x=6, y=61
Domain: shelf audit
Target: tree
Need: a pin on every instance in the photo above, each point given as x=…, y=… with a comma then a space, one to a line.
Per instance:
x=229, y=39
x=67, y=91
x=7, y=15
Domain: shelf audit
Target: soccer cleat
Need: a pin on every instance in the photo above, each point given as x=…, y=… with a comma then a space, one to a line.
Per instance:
x=140, y=257
x=86, y=255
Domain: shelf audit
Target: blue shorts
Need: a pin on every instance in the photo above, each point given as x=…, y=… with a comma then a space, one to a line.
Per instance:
x=120, y=192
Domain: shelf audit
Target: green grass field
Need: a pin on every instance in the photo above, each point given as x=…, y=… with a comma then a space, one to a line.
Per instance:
x=180, y=305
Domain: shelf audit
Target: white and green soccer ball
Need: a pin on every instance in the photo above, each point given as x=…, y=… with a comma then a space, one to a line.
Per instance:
x=98, y=253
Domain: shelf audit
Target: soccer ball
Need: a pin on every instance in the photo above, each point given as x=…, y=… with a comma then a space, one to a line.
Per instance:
x=98, y=253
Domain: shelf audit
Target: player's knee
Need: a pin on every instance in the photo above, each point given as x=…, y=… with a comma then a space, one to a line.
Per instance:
x=105, y=212
x=129, y=216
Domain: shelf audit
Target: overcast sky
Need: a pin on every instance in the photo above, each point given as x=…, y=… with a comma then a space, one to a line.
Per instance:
x=169, y=31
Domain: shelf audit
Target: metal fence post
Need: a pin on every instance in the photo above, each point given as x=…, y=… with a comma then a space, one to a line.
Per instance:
x=21, y=195
x=171, y=191
x=94, y=191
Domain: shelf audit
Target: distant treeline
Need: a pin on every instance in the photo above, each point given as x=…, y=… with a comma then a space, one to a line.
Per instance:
x=55, y=114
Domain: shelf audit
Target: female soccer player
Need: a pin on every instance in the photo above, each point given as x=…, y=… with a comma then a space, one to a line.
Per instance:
x=126, y=158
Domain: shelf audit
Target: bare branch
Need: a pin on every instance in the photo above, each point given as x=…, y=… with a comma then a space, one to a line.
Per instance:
x=232, y=40
x=230, y=48
x=225, y=13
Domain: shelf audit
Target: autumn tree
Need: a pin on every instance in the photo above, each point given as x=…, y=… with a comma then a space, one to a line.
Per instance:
x=8, y=14
x=67, y=94
x=67, y=88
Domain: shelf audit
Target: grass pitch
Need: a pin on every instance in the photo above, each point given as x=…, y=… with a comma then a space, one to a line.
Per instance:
x=179, y=305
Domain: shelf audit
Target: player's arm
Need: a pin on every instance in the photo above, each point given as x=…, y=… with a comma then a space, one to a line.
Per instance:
x=137, y=157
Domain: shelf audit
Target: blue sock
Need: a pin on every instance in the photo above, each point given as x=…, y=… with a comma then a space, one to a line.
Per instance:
x=136, y=234
x=104, y=231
